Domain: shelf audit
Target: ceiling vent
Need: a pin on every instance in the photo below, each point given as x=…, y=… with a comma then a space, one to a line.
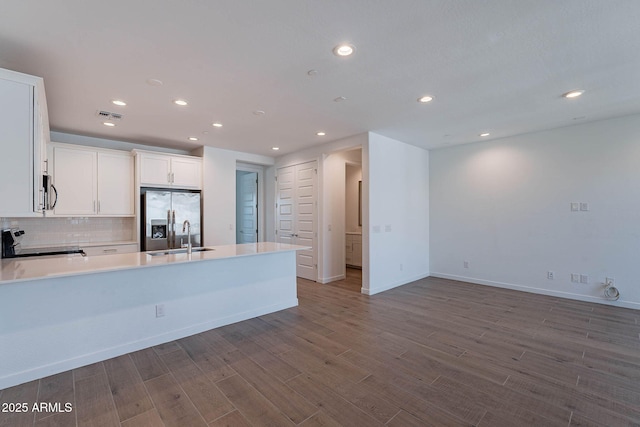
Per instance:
x=105, y=115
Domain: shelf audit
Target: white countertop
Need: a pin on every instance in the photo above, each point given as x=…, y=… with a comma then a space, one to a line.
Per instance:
x=23, y=269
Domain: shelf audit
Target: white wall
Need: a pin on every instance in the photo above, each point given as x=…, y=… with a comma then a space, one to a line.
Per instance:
x=219, y=192
x=397, y=218
x=504, y=207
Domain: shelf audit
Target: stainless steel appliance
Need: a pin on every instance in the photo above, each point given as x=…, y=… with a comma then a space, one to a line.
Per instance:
x=163, y=213
x=49, y=190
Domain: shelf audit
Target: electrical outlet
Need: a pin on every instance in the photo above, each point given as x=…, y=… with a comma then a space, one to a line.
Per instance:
x=387, y=228
x=584, y=206
x=550, y=275
x=159, y=310
x=575, y=207
x=575, y=278
x=466, y=264
x=584, y=279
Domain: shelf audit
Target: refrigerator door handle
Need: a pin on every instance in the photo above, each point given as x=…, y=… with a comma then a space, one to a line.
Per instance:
x=173, y=222
x=168, y=229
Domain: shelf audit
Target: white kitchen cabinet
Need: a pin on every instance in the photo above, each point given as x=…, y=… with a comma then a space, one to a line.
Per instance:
x=115, y=183
x=173, y=171
x=110, y=249
x=353, y=249
x=24, y=133
x=92, y=181
x=75, y=178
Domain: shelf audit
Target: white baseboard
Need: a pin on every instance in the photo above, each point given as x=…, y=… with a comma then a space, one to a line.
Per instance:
x=541, y=291
x=325, y=280
x=369, y=291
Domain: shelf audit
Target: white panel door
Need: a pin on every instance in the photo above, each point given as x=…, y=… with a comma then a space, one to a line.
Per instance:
x=297, y=214
x=305, y=222
x=248, y=226
x=284, y=205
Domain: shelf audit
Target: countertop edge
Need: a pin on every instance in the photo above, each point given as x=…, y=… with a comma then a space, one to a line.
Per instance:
x=217, y=253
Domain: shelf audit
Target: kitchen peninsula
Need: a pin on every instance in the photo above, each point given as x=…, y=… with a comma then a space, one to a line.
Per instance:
x=57, y=314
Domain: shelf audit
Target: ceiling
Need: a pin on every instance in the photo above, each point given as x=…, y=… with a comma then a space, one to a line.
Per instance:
x=497, y=66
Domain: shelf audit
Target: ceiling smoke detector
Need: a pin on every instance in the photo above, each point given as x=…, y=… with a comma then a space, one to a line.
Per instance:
x=106, y=115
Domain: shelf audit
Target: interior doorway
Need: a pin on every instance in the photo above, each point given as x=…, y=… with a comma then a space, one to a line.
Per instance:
x=353, y=215
x=247, y=207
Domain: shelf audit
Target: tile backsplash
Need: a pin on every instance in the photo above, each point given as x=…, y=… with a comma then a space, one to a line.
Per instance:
x=71, y=231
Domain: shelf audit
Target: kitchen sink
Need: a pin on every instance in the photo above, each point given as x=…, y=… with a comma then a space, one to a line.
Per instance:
x=178, y=251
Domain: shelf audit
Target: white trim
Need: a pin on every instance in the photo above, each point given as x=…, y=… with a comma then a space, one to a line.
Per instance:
x=369, y=291
x=540, y=291
x=325, y=280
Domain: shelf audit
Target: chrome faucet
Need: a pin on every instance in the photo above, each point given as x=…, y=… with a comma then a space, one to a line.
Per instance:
x=187, y=226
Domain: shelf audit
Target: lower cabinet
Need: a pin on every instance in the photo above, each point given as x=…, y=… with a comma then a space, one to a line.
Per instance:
x=353, y=249
x=110, y=249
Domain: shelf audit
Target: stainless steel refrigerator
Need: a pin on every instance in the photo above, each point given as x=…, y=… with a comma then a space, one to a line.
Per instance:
x=163, y=216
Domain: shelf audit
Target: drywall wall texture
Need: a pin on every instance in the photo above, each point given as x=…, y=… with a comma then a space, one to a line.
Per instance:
x=397, y=215
x=566, y=201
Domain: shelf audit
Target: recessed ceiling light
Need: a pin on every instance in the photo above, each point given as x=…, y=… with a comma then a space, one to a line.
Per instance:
x=180, y=102
x=573, y=94
x=425, y=99
x=110, y=124
x=119, y=102
x=340, y=99
x=275, y=148
x=193, y=138
x=154, y=82
x=344, y=50
x=320, y=133
x=485, y=134
x=216, y=125
x=258, y=113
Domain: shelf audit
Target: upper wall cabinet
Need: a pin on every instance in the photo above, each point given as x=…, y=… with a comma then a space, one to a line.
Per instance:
x=91, y=181
x=24, y=133
x=164, y=170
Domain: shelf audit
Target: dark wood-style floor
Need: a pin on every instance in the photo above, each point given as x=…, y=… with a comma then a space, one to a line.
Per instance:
x=434, y=352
